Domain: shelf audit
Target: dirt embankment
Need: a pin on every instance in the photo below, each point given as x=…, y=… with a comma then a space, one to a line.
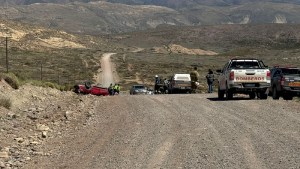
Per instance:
x=36, y=116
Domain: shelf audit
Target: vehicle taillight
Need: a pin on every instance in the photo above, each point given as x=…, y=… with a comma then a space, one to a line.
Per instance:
x=231, y=76
x=268, y=75
x=282, y=80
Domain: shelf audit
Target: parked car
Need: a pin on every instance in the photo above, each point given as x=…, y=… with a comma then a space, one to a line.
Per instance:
x=180, y=83
x=88, y=88
x=285, y=82
x=245, y=76
x=139, y=89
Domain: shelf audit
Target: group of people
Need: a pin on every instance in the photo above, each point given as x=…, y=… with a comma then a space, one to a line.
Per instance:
x=114, y=89
x=158, y=87
x=195, y=80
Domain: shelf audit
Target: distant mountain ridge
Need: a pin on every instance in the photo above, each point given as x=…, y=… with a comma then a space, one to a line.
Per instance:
x=168, y=3
x=117, y=16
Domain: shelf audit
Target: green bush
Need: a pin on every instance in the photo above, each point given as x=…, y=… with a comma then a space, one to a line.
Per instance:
x=5, y=102
x=11, y=79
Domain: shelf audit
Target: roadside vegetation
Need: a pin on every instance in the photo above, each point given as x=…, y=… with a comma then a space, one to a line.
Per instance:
x=5, y=102
x=53, y=68
x=63, y=68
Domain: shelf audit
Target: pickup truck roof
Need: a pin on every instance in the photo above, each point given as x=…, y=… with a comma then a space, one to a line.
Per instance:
x=183, y=77
x=287, y=70
x=245, y=59
x=246, y=64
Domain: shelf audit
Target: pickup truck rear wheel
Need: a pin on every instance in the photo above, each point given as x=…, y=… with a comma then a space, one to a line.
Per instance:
x=221, y=93
x=252, y=95
x=287, y=96
x=263, y=95
x=229, y=94
x=275, y=94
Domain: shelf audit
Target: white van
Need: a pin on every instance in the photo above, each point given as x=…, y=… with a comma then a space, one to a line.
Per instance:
x=180, y=83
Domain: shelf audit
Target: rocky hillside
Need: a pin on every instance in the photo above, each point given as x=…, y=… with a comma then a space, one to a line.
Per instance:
x=28, y=37
x=169, y=3
x=37, y=114
x=108, y=17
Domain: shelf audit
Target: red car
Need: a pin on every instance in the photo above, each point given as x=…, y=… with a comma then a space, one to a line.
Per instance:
x=87, y=88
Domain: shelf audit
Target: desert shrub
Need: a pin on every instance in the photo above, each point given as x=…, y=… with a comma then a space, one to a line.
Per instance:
x=51, y=85
x=11, y=79
x=66, y=87
x=5, y=102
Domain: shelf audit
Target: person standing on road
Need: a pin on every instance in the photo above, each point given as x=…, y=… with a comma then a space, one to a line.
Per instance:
x=156, y=85
x=110, y=89
x=117, y=89
x=195, y=79
x=166, y=85
x=210, y=80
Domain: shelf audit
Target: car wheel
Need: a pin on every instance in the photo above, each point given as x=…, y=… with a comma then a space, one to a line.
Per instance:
x=229, y=94
x=263, y=95
x=275, y=94
x=220, y=93
x=252, y=95
x=287, y=96
x=166, y=91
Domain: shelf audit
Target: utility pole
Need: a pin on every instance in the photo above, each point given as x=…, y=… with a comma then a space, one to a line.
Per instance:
x=6, y=53
x=41, y=71
x=6, y=37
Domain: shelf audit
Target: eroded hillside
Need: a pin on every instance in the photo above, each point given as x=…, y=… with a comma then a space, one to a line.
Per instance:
x=103, y=17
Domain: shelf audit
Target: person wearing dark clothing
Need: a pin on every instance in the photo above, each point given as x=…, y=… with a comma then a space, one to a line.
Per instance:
x=110, y=89
x=156, y=85
x=210, y=80
x=166, y=85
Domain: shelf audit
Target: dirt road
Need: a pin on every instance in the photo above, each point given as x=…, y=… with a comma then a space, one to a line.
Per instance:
x=181, y=131
x=105, y=75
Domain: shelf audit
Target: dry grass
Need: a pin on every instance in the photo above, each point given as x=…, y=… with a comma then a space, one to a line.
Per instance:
x=11, y=79
x=142, y=67
x=56, y=66
x=5, y=102
x=274, y=44
x=69, y=66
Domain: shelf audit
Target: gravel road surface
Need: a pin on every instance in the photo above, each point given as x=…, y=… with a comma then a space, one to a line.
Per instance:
x=180, y=131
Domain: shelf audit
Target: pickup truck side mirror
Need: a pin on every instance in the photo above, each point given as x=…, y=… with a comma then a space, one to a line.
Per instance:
x=219, y=71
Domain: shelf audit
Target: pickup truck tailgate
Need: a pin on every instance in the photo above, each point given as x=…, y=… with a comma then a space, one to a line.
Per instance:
x=182, y=84
x=292, y=81
x=250, y=76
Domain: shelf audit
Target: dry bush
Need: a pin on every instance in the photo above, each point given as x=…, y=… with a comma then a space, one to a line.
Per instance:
x=11, y=79
x=5, y=102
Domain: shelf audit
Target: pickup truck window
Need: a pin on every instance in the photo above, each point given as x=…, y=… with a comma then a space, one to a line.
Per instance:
x=138, y=87
x=245, y=65
x=290, y=71
x=225, y=67
x=182, y=78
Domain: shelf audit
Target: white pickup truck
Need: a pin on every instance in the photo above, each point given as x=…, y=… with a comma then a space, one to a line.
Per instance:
x=245, y=76
x=180, y=83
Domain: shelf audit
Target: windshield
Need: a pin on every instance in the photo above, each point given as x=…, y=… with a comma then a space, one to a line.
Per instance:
x=182, y=78
x=139, y=87
x=290, y=71
x=245, y=65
